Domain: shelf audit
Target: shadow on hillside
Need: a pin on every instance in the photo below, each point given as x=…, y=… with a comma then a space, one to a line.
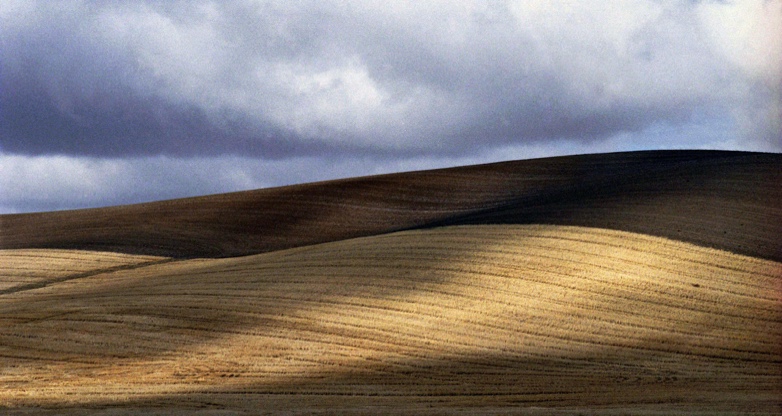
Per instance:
x=602, y=381
x=726, y=200
x=732, y=204
x=129, y=319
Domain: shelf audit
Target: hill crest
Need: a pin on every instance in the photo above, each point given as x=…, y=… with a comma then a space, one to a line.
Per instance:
x=725, y=200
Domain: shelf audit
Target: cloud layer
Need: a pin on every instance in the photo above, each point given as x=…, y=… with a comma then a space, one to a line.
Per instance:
x=349, y=80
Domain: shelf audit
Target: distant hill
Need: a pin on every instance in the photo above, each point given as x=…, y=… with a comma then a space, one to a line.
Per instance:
x=726, y=200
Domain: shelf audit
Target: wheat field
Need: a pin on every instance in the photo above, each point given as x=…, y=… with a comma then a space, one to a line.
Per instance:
x=641, y=283
x=28, y=269
x=456, y=318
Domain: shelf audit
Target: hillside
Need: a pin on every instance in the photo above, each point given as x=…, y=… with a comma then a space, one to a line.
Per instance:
x=456, y=318
x=635, y=283
x=726, y=200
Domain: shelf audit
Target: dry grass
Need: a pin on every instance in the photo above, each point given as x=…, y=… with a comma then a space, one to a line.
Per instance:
x=533, y=319
x=655, y=288
x=26, y=269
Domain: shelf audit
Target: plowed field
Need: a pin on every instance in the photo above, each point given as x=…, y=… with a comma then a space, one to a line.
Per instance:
x=466, y=317
x=636, y=283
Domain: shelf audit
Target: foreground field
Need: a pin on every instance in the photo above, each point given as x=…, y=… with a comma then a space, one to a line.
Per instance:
x=535, y=319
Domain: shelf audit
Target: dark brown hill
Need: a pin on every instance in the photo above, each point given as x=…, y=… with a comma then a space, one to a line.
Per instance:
x=732, y=203
x=727, y=200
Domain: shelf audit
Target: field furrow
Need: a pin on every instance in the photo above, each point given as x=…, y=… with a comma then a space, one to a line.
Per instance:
x=540, y=315
x=25, y=269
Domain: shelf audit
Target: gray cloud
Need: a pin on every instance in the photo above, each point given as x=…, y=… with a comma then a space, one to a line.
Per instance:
x=45, y=183
x=274, y=79
x=111, y=102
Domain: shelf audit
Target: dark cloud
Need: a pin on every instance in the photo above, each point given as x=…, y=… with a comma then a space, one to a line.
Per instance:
x=276, y=79
x=107, y=102
x=119, y=123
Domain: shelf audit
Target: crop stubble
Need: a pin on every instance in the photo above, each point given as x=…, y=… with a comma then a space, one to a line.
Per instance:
x=463, y=317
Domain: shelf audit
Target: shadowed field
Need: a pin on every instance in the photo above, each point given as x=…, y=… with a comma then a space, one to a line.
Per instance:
x=726, y=200
x=528, y=297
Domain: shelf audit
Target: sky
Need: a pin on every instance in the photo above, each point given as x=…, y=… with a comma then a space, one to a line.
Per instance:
x=113, y=102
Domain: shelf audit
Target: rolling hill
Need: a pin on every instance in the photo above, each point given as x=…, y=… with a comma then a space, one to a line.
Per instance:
x=627, y=283
x=727, y=200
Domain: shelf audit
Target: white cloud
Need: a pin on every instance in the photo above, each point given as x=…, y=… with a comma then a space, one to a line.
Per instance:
x=411, y=76
x=204, y=96
x=748, y=34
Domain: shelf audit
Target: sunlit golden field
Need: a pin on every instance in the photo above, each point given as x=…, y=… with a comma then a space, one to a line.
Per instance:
x=469, y=318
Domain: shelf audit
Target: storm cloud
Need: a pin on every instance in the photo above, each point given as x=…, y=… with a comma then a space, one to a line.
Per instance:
x=280, y=81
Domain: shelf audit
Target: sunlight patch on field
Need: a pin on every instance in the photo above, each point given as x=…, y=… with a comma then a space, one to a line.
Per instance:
x=551, y=316
x=31, y=267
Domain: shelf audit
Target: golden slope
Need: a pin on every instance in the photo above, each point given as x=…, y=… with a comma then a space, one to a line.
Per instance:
x=27, y=269
x=478, y=318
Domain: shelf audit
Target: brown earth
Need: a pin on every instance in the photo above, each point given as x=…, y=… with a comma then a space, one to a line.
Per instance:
x=528, y=319
x=636, y=283
x=726, y=200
